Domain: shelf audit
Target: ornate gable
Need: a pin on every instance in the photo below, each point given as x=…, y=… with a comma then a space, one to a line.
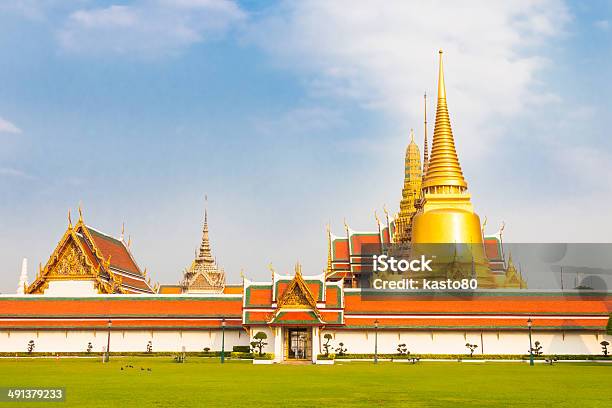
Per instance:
x=297, y=294
x=73, y=259
x=513, y=278
x=297, y=305
x=71, y=263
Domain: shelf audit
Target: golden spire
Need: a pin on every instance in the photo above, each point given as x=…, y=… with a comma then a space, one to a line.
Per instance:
x=443, y=168
x=410, y=193
x=425, y=144
x=205, y=252
x=329, y=269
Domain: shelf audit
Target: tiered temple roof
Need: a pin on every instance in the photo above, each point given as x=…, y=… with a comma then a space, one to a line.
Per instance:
x=86, y=254
x=298, y=300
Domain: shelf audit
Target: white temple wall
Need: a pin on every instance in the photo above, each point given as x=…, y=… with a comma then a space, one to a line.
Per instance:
x=362, y=341
x=121, y=340
x=453, y=342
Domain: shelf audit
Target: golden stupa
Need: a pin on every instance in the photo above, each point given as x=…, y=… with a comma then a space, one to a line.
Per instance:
x=445, y=225
x=446, y=215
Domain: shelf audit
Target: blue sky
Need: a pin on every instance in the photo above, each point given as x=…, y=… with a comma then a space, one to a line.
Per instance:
x=290, y=115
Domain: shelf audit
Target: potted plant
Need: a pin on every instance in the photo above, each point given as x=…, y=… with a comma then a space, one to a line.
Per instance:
x=472, y=348
x=604, y=347
x=31, y=346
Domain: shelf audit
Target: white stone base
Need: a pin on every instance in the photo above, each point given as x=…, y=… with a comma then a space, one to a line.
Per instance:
x=263, y=361
x=325, y=362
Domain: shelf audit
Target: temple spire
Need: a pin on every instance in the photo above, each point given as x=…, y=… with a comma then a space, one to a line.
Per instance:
x=205, y=252
x=204, y=276
x=425, y=144
x=443, y=169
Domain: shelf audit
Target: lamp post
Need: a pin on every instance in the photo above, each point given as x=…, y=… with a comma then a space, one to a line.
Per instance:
x=222, y=341
x=109, y=325
x=529, y=323
x=376, y=341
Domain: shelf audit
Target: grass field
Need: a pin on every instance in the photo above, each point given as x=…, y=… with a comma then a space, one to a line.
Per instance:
x=205, y=382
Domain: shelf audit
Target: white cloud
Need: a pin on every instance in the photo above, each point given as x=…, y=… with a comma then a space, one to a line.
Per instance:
x=11, y=172
x=147, y=28
x=603, y=25
x=384, y=55
x=302, y=120
x=8, y=127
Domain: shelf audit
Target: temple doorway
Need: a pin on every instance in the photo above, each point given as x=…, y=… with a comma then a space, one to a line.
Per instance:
x=298, y=344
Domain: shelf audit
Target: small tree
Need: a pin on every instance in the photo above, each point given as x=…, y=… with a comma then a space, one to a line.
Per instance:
x=326, y=345
x=31, y=346
x=206, y=349
x=472, y=348
x=537, y=349
x=402, y=349
x=89, y=347
x=341, y=350
x=260, y=342
x=149, y=347
x=604, y=347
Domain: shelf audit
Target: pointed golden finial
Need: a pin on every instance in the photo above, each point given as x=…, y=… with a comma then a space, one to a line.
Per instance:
x=329, y=250
x=484, y=224
x=272, y=271
x=411, y=135
x=122, y=230
x=377, y=219
x=80, y=213
x=129, y=243
x=242, y=274
x=443, y=168
x=69, y=219
x=441, y=84
x=346, y=227
x=298, y=268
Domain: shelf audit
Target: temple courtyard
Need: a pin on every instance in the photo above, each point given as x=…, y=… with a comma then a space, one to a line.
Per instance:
x=159, y=381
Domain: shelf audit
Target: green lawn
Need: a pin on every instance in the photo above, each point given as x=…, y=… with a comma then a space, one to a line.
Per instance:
x=205, y=382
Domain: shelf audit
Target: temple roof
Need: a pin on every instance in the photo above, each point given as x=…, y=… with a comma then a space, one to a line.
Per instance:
x=84, y=253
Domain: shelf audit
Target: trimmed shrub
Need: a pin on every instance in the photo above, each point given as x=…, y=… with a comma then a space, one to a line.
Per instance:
x=241, y=349
x=241, y=355
x=264, y=356
x=330, y=356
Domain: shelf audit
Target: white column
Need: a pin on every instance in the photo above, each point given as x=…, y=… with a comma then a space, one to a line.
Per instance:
x=278, y=344
x=316, y=349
